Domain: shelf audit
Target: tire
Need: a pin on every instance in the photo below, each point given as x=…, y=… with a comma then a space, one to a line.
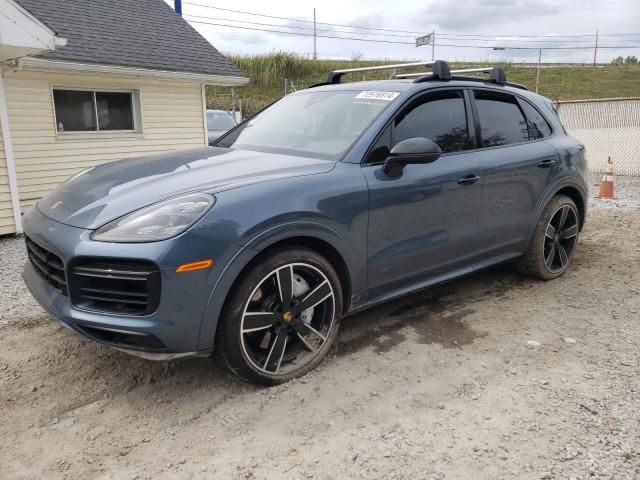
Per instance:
x=554, y=240
x=263, y=340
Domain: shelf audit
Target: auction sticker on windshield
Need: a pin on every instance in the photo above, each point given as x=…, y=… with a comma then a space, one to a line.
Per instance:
x=378, y=95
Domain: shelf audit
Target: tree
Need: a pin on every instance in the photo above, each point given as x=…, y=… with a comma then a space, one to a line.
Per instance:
x=618, y=60
x=631, y=60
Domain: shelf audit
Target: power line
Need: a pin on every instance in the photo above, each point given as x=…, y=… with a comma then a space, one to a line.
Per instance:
x=291, y=19
x=542, y=36
x=402, y=43
x=308, y=29
x=297, y=33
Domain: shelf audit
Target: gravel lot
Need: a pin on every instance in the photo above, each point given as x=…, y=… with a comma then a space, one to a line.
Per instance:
x=492, y=376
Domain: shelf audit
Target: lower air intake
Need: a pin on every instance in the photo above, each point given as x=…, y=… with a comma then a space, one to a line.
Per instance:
x=119, y=287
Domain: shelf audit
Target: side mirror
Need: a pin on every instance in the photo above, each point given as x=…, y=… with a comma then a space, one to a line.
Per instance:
x=410, y=150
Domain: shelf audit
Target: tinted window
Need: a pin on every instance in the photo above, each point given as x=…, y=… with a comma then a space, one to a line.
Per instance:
x=557, y=114
x=91, y=111
x=380, y=150
x=538, y=126
x=114, y=110
x=74, y=111
x=501, y=119
x=441, y=118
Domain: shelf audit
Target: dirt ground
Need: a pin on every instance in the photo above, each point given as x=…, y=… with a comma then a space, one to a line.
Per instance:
x=494, y=376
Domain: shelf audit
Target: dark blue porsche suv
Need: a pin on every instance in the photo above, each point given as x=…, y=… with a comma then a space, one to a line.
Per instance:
x=331, y=200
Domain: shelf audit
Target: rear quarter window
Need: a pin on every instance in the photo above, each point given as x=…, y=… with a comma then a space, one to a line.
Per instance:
x=537, y=125
x=501, y=119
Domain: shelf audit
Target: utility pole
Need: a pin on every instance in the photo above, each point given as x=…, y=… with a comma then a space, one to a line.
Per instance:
x=538, y=72
x=595, y=51
x=315, y=53
x=433, y=46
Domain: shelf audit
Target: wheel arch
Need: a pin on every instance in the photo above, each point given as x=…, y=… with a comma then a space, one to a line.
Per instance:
x=317, y=237
x=565, y=186
x=574, y=194
x=325, y=249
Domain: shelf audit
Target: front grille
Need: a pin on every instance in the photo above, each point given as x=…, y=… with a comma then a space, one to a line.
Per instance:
x=48, y=265
x=119, y=287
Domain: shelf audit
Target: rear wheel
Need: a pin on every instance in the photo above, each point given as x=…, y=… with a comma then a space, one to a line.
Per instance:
x=554, y=240
x=282, y=317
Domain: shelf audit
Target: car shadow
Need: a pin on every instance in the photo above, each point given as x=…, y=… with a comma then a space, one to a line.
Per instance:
x=437, y=315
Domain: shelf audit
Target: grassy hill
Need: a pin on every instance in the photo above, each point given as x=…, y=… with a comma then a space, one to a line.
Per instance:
x=268, y=74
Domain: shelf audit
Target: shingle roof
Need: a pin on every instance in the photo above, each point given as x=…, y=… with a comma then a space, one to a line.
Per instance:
x=139, y=33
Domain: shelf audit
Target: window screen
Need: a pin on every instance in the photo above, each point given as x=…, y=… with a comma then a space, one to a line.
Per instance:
x=92, y=111
x=501, y=119
x=538, y=126
x=441, y=118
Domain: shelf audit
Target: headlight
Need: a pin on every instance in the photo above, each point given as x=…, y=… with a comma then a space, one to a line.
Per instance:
x=156, y=222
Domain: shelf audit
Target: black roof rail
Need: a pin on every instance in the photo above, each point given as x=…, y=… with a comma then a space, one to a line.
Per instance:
x=485, y=80
x=439, y=70
x=496, y=74
x=517, y=85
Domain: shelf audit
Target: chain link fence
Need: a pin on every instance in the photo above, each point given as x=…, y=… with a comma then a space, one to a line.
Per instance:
x=229, y=102
x=608, y=128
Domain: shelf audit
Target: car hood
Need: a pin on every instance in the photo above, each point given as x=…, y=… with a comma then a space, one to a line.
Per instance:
x=111, y=190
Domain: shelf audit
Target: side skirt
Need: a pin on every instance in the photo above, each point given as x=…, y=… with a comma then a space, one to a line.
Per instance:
x=432, y=281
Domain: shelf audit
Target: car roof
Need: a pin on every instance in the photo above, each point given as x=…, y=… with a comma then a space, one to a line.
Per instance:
x=409, y=86
x=399, y=85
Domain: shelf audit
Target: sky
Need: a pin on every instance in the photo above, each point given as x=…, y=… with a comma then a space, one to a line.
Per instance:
x=456, y=22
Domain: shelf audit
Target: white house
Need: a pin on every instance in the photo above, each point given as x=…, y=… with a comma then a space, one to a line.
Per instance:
x=88, y=81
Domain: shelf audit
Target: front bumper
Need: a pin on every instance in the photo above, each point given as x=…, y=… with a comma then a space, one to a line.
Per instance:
x=177, y=321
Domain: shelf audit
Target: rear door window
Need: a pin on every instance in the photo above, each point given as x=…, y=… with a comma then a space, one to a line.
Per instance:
x=501, y=119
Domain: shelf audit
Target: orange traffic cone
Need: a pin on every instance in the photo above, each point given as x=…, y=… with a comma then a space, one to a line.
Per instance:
x=606, y=187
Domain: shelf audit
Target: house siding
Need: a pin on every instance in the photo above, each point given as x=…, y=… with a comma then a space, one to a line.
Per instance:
x=6, y=212
x=171, y=114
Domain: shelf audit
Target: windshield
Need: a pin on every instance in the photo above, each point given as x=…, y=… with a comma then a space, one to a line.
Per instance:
x=310, y=124
x=219, y=121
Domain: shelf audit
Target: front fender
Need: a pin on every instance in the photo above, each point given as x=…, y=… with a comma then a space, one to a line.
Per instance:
x=251, y=249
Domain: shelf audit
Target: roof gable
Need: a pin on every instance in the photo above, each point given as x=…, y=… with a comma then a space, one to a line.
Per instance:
x=140, y=33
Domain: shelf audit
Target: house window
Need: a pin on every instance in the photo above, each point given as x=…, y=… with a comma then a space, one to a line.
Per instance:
x=93, y=110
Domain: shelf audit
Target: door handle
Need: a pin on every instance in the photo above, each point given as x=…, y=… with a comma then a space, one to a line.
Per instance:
x=549, y=162
x=468, y=180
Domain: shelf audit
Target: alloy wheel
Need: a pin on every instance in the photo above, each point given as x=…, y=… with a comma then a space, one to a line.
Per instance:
x=561, y=236
x=287, y=319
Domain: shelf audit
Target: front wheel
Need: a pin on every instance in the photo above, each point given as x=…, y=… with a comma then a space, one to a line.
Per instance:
x=282, y=316
x=554, y=240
